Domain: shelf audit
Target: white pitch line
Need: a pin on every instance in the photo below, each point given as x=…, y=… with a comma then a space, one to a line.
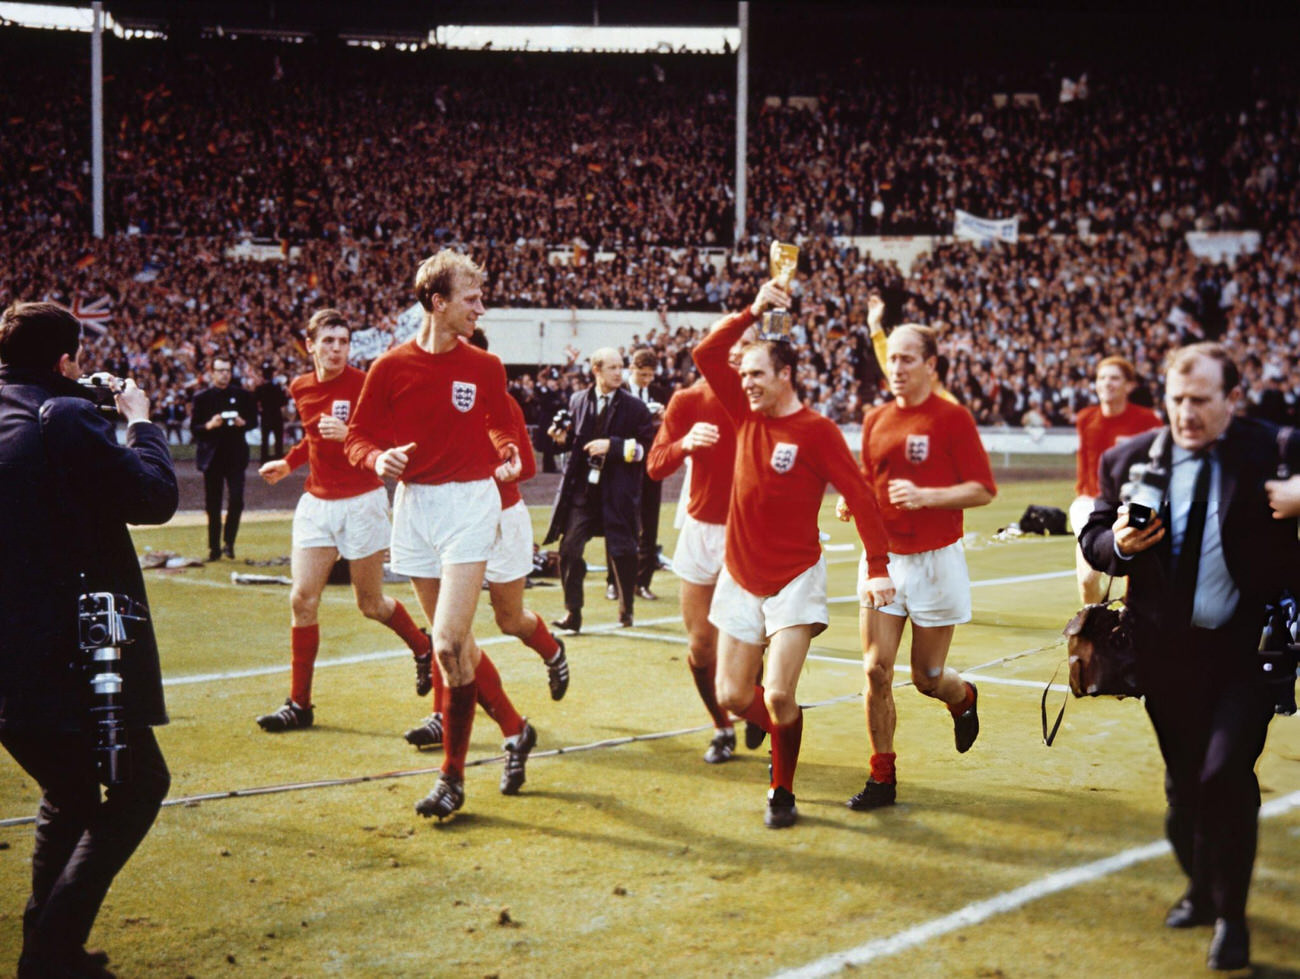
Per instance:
x=980, y=911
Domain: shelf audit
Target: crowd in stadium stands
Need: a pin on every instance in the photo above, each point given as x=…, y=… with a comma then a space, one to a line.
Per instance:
x=364, y=162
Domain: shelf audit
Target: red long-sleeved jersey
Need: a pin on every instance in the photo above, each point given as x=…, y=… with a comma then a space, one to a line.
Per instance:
x=712, y=467
x=332, y=477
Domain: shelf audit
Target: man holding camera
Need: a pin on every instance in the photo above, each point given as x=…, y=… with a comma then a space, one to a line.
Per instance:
x=69, y=490
x=609, y=432
x=1201, y=568
x=219, y=423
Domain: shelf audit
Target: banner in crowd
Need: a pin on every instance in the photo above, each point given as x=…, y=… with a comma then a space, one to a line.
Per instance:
x=1222, y=246
x=369, y=344
x=974, y=228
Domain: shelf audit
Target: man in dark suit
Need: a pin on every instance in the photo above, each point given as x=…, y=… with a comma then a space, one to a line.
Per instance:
x=643, y=386
x=600, y=493
x=68, y=490
x=1200, y=573
x=222, y=416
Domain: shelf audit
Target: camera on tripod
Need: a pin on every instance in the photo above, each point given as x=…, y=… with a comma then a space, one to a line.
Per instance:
x=103, y=389
x=102, y=632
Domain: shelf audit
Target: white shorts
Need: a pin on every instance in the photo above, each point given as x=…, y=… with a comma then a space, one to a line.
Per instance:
x=932, y=587
x=752, y=619
x=445, y=523
x=356, y=526
x=512, y=552
x=701, y=547
x=1080, y=511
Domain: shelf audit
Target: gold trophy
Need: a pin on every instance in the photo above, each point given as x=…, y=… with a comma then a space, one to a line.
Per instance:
x=783, y=259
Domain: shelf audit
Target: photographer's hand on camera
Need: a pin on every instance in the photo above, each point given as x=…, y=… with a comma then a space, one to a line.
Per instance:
x=596, y=447
x=1133, y=540
x=132, y=402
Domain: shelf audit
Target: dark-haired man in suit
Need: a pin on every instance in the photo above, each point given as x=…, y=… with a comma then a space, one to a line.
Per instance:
x=1200, y=574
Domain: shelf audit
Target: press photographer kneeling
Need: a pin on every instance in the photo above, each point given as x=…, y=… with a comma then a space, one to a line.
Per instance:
x=80, y=684
x=1201, y=572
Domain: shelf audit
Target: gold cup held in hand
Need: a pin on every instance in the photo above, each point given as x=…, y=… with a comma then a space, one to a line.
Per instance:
x=783, y=260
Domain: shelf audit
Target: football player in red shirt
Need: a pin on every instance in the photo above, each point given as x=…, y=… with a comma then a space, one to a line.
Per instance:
x=343, y=512
x=425, y=417
x=772, y=590
x=1103, y=426
x=923, y=456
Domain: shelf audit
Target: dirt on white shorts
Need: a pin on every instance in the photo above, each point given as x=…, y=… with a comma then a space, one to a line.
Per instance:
x=356, y=526
x=753, y=619
x=1080, y=511
x=444, y=523
x=512, y=552
x=701, y=549
x=930, y=587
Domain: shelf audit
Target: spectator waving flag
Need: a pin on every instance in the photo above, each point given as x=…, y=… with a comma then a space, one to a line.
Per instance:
x=94, y=316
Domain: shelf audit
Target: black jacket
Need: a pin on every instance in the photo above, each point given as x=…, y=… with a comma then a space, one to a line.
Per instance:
x=67, y=492
x=620, y=482
x=1260, y=552
x=226, y=446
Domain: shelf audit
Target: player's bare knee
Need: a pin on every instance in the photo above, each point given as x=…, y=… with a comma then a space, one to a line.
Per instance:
x=373, y=608
x=782, y=705
x=704, y=651
x=304, y=605
x=880, y=675
x=733, y=696
x=927, y=680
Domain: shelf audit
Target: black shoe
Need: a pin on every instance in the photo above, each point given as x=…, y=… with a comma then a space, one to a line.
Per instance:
x=611, y=593
x=229, y=551
x=424, y=670
x=516, y=749
x=644, y=592
x=721, y=748
x=781, y=810
x=754, y=736
x=1230, y=946
x=966, y=726
x=287, y=718
x=1188, y=914
x=625, y=620
x=571, y=623
x=874, y=795
x=427, y=734
x=557, y=673
x=214, y=555
x=447, y=796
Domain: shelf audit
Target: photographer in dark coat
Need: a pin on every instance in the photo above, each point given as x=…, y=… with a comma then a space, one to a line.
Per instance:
x=222, y=416
x=68, y=490
x=1200, y=573
x=600, y=494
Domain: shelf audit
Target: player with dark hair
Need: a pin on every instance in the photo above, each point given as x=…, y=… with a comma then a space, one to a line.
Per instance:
x=342, y=513
x=772, y=590
x=425, y=418
x=923, y=456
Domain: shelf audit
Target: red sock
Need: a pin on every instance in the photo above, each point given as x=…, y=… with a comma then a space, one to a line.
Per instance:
x=786, y=739
x=492, y=698
x=757, y=711
x=882, y=767
x=304, y=641
x=703, y=676
x=956, y=710
x=541, y=640
x=457, y=723
x=402, y=623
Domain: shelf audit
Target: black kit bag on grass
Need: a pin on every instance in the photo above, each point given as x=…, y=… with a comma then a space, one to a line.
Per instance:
x=1043, y=520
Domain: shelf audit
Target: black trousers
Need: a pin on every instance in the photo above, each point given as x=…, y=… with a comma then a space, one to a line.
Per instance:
x=1211, y=712
x=272, y=440
x=232, y=479
x=82, y=839
x=585, y=522
x=647, y=552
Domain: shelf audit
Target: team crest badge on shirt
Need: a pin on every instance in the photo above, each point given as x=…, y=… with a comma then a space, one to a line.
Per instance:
x=918, y=449
x=783, y=456
x=341, y=410
x=462, y=395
